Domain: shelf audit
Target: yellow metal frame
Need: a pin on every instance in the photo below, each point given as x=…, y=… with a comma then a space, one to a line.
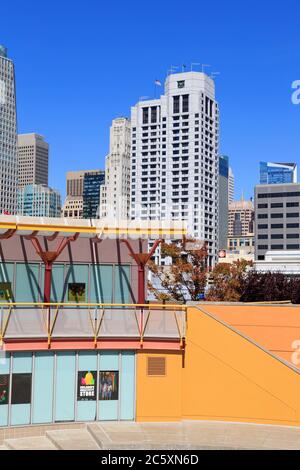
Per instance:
x=97, y=322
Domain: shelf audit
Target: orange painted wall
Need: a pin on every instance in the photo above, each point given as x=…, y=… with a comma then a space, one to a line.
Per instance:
x=224, y=376
x=276, y=328
x=159, y=398
x=228, y=378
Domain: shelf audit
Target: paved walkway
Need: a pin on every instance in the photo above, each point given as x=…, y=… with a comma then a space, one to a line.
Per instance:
x=163, y=436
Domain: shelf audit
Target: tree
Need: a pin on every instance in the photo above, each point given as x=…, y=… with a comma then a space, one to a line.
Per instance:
x=228, y=281
x=185, y=279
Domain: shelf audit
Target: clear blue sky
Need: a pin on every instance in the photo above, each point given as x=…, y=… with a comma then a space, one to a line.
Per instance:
x=80, y=64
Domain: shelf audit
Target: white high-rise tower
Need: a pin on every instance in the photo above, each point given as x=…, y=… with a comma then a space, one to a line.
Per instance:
x=115, y=194
x=8, y=136
x=174, y=157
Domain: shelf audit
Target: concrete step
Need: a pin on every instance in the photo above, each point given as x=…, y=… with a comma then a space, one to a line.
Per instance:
x=72, y=439
x=3, y=447
x=30, y=443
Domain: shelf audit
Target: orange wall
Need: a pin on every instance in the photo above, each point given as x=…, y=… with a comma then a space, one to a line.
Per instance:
x=229, y=378
x=276, y=328
x=224, y=376
x=159, y=398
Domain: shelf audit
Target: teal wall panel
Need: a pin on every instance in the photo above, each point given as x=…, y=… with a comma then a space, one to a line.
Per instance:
x=122, y=284
x=101, y=283
x=43, y=387
x=108, y=410
x=20, y=413
x=65, y=386
x=86, y=410
x=127, y=386
x=109, y=360
x=28, y=286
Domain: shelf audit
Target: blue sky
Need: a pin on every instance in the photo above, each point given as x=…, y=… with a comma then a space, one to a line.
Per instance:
x=80, y=64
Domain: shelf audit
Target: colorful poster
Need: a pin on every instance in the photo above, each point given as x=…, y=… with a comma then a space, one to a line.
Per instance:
x=4, y=389
x=87, y=385
x=21, y=389
x=109, y=385
x=5, y=291
x=76, y=292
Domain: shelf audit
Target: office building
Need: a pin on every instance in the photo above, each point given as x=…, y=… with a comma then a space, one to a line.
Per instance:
x=33, y=160
x=73, y=207
x=39, y=200
x=240, y=218
x=115, y=193
x=230, y=185
x=276, y=218
x=8, y=136
x=92, y=183
x=277, y=173
x=174, y=157
x=73, y=204
x=223, y=201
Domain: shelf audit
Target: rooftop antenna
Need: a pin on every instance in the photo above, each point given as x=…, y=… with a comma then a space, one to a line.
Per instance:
x=172, y=69
x=214, y=74
x=183, y=68
x=204, y=66
x=194, y=63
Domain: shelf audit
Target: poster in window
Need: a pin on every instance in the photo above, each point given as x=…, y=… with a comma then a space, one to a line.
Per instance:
x=5, y=291
x=4, y=389
x=76, y=292
x=109, y=385
x=87, y=385
x=21, y=389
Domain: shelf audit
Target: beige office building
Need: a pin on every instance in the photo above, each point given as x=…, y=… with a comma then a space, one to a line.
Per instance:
x=115, y=194
x=240, y=218
x=33, y=158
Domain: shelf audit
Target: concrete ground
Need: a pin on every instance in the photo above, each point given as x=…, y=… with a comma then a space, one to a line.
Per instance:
x=194, y=435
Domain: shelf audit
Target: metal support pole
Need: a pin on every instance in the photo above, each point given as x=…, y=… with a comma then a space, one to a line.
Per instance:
x=47, y=282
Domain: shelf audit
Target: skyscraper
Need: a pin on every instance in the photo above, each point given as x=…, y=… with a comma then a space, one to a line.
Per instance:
x=277, y=173
x=223, y=200
x=92, y=182
x=115, y=194
x=240, y=218
x=174, y=156
x=73, y=205
x=38, y=200
x=8, y=135
x=33, y=157
x=230, y=185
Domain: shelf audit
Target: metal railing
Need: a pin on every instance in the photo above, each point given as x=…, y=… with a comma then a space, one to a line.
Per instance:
x=97, y=321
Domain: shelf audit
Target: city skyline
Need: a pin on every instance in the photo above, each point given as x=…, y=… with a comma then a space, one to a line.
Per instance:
x=73, y=109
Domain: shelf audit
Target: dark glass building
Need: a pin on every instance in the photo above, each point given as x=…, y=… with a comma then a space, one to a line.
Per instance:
x=91, y=193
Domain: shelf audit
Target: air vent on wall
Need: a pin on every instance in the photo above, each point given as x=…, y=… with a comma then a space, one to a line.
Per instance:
x=156, y=366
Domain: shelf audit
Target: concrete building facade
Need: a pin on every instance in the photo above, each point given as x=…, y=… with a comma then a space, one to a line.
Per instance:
x=174, y=157
x=8, y=135
x=240, y=218
x=115, y=193
x=33, y=160
x=277, y=218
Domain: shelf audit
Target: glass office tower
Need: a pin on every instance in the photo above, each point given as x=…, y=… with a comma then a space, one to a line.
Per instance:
x=278, y=173
x=8, y=136
x=91, y=193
